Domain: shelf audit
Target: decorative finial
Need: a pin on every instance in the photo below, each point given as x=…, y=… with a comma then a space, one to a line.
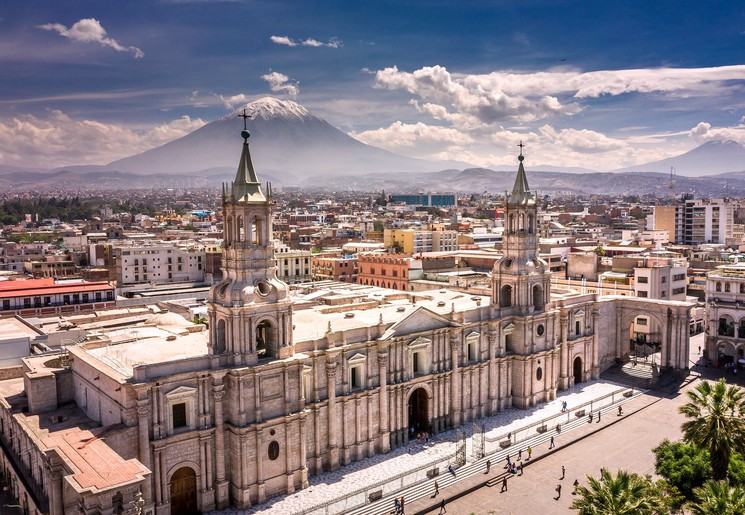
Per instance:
x=521, y=145
x=245, y=134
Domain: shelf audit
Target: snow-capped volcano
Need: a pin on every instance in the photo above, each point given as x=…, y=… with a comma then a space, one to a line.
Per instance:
x=286, y=141
x=268, y=108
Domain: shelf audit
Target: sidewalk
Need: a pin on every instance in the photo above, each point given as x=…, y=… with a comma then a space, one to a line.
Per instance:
x=451, y=490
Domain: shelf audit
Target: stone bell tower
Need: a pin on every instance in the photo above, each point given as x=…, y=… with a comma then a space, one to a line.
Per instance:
x=520, y=279
x=250, y=312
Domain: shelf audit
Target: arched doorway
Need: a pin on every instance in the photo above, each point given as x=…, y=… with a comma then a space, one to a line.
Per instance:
x=184, y=492
x=220, y=343
x=577, y=370
x=505, y=299
x=266, y=344
x=538, y=303
x=418, y=416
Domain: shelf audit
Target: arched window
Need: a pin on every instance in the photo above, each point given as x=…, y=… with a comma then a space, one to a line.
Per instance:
x=505, y=297
x=239, y=236
x=726, y=287
x=229, y=230
x=220, y=337
x=538, y=300
x=530, y=224
x=266, y=340
x=719, y=286
x=512, y=223
x=742, y=287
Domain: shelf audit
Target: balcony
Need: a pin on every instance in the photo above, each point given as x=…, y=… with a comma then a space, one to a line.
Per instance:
x=726, y=331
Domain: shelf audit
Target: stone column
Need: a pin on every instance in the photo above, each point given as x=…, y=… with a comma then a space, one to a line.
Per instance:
x=143, y=440
x=221, y=496
x=454, y=381
x=56, y=473
x=665, y=352
x=384, y=441
x=303, y=450
x=331, y=415
x=563, y=366
x=156, y=477
x=595, y=343
x=493, y=385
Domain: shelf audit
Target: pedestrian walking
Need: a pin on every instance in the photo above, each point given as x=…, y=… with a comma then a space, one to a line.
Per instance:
x=576, y=484
x=620, y=411
x=397, y=505
x=590, y=421
x=508, y=458
x=530, y=451
x=598, y=416
x=551, y=443
x=521, y=469
x=442, y=507
x=558, y=428
x=402, y=505
x=558, y=492
x=563, y=472
x=488, y=466
x=504, y=484
x=519, y=455
x=437, y=488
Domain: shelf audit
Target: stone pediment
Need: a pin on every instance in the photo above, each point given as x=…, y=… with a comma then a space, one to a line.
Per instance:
x=182, y=391
x=472, y=335
x=420, y=342
x=509, y=328
x=357, y=358
x=418, y=321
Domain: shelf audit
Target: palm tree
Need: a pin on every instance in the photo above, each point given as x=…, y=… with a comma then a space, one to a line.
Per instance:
x=717, y=422
x=199, y=320
x=718, y=498
x=622, y=494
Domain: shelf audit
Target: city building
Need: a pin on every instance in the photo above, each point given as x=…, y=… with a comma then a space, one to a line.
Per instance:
x=696, y=221
x=158, y=263
x=342, y=268
x=425, y=200
x=280, y=389
x=37, y=297
x=725, y=312
x=414, y=241
x=293, y=265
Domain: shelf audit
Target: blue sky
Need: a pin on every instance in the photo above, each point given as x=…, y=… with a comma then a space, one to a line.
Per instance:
x=600, y=84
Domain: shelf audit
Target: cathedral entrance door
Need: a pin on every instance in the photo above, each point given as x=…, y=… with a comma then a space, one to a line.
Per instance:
x=418, y=418
x=184, y=492
x=577, y=370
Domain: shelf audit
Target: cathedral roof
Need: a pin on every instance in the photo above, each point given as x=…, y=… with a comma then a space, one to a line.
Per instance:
x=521, y=191
x=246, y=186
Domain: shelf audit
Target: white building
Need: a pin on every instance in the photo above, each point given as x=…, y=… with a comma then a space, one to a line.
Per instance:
x=158, y=263
x=293, y=265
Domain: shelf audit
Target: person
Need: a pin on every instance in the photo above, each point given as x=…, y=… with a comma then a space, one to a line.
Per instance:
x=558, y=492
x=504, y=484
x=699, y=349
x=442, y=507
x=558, y=428
x=519, y=455
x=620, y=411
x=450, y=469
x=530, y=451
x=488, y=466
x=563, y=472
x=590, y=417
x=551, y=443
x=397, y=505
x=508, y=457
x=521, y=468
x=437, y=488
x=598, y=416
x=576, y=484
x=402, y=505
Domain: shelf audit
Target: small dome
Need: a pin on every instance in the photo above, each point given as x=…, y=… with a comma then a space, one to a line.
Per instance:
x=167, y=319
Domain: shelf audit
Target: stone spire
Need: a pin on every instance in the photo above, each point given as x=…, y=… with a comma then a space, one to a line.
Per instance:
x=246, y=186
x=520, y=191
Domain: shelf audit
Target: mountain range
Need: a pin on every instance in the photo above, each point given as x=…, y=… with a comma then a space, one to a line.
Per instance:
x=292, y=147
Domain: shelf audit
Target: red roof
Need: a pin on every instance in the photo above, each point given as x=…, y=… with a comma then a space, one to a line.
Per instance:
x=47, y=286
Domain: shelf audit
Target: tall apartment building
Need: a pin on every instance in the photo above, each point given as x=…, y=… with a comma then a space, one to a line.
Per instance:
x=413, y=241
x=159, y=264
x=661, y=278
x=696, y=221
x=425, y=199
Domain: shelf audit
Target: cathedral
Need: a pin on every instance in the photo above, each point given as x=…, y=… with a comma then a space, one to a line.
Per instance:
x=281, y=388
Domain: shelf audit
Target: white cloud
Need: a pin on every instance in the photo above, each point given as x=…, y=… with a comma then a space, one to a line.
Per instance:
x=418, y=138
x=90, y=30
x=232, y=101
x=311, y=42
x=280, y=83
x=704, y=132
x=59, y=140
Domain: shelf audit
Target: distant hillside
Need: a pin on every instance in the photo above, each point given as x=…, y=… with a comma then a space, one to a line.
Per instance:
x=711, y=158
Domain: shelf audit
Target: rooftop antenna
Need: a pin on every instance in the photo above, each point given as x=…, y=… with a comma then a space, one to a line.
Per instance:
x=671, y=185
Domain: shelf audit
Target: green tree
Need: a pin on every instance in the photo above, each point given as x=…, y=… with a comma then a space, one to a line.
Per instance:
x=718, y=498
x=683, y=465
x=717, y=423
x=199, y=320
x=622, y=494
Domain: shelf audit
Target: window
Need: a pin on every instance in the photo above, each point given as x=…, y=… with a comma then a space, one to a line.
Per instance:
x=641, y=321
x=642, y=294
x=679, y=277
x=664, y=280
x=471, y=352
x=726, y=287
x=355, y=377
x=577, y=328
x=415, y=358
x=66, y=299
x=6, y=304
x=540, y=330
x=85, y=298
x=273, y=450
x=26, y=302
x=643, y=280
x=47, y=301
x=663, y=294
x=539, y=374
x=719, y=287
x=678, y=291
x=178, y=413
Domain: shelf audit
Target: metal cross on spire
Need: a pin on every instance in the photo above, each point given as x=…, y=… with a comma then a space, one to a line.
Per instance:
x=521, y=145
x=245, y=117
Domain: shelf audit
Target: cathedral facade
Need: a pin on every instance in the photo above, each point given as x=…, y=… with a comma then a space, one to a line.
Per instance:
x=283, y=389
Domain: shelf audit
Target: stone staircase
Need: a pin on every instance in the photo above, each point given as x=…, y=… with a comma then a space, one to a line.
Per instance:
x=638, y=375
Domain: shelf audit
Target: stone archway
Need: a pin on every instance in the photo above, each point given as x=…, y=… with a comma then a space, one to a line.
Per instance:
x=267, y=345
x=577, y=370
x=418, y=411
x=505, y=297
x=183, y=491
